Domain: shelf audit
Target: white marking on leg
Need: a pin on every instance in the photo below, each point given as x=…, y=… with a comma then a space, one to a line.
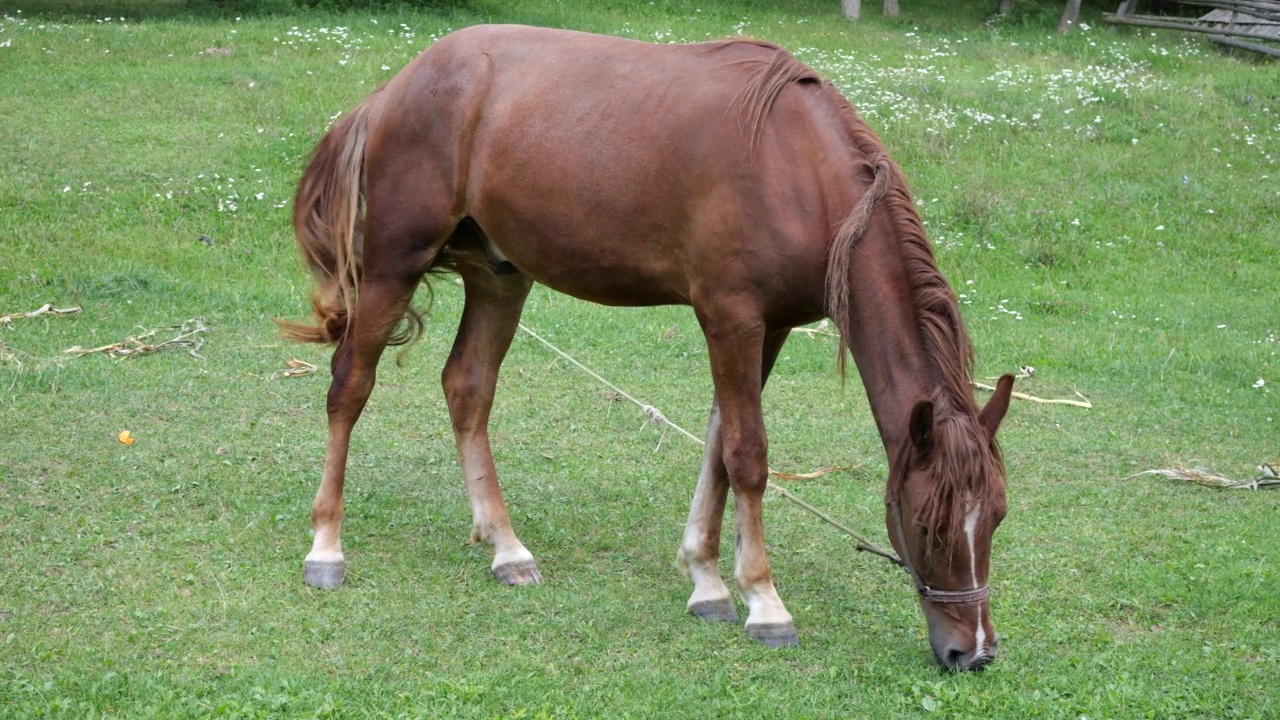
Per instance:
x=970, y=530
x=693, y=559
x=751, y=568
x=326, y=546
x=764, y=607
x=698, y=515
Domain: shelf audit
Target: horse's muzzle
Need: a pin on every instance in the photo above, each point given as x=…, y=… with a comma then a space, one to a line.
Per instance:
x=957, y=659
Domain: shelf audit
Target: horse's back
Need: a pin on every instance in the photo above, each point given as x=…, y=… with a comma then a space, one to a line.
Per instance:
x=548, y=88
x=616, y=170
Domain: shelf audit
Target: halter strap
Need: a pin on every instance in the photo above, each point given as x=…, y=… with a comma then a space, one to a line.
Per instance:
x=972, y=595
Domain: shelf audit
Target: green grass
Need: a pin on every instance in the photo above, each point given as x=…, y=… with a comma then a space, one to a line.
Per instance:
x=1106, y=204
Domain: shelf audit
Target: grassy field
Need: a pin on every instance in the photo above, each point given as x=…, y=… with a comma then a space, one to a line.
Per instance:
x=1106, y=204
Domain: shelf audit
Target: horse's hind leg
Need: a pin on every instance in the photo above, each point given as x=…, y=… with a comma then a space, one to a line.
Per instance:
x=490, y=317
x=699, y=554
x=381, y=305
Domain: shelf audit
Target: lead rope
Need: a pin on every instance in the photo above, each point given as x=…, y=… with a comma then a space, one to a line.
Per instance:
x=655, y=415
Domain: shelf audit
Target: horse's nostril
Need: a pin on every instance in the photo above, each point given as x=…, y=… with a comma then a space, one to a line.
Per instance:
x=980, y=662
x=958, y=660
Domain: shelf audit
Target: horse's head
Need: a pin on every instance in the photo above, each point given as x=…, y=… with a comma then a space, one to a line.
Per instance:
x=946, y=498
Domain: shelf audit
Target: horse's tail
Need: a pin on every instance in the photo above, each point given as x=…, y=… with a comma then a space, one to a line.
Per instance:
x=840, y=253
x=327, y=217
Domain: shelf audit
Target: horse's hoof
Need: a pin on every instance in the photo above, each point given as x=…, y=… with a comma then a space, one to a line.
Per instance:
x=721, y=610
x=522, y=572
x=324, y=574
x=775, y=635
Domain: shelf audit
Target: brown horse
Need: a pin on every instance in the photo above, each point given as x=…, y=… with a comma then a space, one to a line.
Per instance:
x=724, y=175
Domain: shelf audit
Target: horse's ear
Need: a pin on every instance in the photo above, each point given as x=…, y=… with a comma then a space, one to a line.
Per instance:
x=997, y=406
x=921, y=427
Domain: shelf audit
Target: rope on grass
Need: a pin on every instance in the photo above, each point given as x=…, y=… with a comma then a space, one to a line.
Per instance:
x=653, y=414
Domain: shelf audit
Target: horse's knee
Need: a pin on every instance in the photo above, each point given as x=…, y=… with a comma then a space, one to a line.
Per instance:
x=745, y=458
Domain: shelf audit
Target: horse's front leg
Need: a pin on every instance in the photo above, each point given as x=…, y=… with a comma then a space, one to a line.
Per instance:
x=380, y=307
x=490, y=316
x=736, y=343
x=699, y=554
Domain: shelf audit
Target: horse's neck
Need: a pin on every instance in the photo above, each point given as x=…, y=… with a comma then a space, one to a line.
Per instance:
x=885, y=337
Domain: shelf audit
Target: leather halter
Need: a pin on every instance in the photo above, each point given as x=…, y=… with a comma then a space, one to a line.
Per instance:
x=973, y=595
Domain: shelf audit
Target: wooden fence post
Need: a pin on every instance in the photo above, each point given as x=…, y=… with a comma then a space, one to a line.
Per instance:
x=1070, y=16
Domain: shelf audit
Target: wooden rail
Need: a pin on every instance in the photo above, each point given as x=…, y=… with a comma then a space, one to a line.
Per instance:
x=1230, y=20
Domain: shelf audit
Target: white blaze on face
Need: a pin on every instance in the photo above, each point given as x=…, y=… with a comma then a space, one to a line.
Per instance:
x=970, y=530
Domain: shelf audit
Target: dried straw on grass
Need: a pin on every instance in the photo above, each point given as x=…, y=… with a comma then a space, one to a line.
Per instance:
x=296, y=368
x=45, y=309
x=1202, y=476
x=8, y=356
x=189, y=336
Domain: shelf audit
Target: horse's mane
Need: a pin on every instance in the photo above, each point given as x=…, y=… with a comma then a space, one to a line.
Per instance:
x=769, y=77
x=964, y=462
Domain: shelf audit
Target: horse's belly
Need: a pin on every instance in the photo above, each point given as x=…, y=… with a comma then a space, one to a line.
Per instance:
x=613, y=268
